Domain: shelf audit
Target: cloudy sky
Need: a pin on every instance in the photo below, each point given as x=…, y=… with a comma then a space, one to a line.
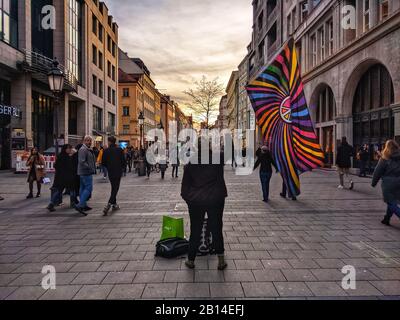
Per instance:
x=180, y=40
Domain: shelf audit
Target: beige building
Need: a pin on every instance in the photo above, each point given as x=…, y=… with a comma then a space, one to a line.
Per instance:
x=85, y=40
x=232, y=92
x=351, y=74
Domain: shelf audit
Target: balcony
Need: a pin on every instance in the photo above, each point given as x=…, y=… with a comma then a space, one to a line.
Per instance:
x=39, y=65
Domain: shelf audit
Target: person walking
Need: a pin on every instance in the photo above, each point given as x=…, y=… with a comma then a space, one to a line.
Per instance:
x=63, y=179
x=343, y=162
x=265, y=160
x=100, y=165
x=175, y=163
x=129, y=159
x=148, y=165
x=163, y=166
x=364, y=156
x=115, y=162
x=388, y=170
x=36, y=171
x=204, y=190
x=86, y=170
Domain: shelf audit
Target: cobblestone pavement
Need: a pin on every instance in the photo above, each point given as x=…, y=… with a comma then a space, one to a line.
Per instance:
x=279, y=250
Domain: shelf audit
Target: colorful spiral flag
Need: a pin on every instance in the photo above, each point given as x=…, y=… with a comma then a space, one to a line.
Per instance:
x=282, y=113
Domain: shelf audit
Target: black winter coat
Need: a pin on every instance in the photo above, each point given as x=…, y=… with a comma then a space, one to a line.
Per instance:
x=265, y=160
x=389, y=172
x=203, y=184
x=65, y=174
x=344, y=155
x=114, y=161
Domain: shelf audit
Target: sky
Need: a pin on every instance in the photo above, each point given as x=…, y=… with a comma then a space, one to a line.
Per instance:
x=182, y=40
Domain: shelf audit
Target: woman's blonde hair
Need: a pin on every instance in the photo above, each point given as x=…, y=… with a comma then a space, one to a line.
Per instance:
x=390, y=148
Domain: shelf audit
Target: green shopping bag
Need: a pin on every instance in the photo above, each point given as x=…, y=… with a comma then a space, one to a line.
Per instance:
x=172, y=228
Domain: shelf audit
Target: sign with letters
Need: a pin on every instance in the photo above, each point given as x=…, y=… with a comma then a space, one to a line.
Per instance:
x=10, y=111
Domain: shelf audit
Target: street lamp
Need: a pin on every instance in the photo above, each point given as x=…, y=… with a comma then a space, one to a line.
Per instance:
x=141, y=124
x=56, y=84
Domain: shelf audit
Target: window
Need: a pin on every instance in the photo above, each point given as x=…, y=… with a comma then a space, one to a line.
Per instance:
x=109, y=69
x=321, y=37
x=109, y=44
x=74, y=39
x=125, y=92
x=94, y=24
x=113, y=49
x=100, y=60
x=109, y=94
x=101, y=32
x=113, y=97
x=261, y=49
x=383, y=9
x=94, y=85
x=101, y=88
x=125, y=111
x=126, y=129
x=330, y=37
x=313, y=50
x=304, y=10
x=294, y=25
x=111, y=122
x=73, y=117
x=9, y=22
x=97, y=118
x=366, y=18
x=289, y=25
x=261, y=21
x=94, y=55
x=113, y=73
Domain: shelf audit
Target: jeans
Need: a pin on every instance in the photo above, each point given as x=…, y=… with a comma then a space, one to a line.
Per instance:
x=392, y=209
x=105, y=172
x=363, y=168
x=215, y=215
x=115, y=184
x=85, y=190
x=175, y=170
x=265, y=178
x=57, y=196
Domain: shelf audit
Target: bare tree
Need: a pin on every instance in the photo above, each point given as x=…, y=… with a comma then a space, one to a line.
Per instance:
x=205, y=98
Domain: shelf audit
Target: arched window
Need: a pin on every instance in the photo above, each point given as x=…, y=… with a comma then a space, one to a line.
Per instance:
x=326, y=105
x=372, y=115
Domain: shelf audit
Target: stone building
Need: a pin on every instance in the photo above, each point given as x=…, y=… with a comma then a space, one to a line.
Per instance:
x=223, y=113
x=232, y=92
x=84, y=38
x=349, y=62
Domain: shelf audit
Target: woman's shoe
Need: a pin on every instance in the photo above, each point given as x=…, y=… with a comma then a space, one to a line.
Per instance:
x=38, y=195
x=190, y=264
x=29, y=196
x=50, y=207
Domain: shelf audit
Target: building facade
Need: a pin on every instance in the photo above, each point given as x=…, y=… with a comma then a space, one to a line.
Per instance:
x=223, y=113
x=232, y=92
x=351, y=77
x=84, y=39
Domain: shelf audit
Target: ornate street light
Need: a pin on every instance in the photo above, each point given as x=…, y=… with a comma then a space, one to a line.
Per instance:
x=56, y=84
x=141, y=124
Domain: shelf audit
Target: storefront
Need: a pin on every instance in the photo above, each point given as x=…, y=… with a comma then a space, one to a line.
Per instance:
x=42, y=121
x=5, y=120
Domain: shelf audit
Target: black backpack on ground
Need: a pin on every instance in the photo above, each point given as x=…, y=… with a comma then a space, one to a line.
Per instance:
x=172, y=248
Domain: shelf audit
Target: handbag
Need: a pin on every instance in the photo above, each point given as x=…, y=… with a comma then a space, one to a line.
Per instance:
x=46, y=180
x=172, y=228
x=172, y=248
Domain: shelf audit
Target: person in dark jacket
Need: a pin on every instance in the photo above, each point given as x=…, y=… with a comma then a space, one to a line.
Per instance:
x=64, y=178
x=115, y=162
x=163, y=167
x=265, y=160
x=364, y=156
x=343, y=162
x=204, y=190
x=388, y=170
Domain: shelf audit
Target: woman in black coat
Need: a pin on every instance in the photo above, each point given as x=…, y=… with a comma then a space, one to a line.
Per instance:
x=64, y=177
x=204, y=190
x=388, y=170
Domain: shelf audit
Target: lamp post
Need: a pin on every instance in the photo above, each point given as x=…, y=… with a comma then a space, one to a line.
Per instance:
x=56, y=84
x=141, y=124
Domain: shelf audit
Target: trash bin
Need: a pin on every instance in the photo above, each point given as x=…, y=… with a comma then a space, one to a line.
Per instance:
x=142, y=168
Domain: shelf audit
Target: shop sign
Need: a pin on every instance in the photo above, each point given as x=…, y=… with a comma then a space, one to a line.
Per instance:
x=10, y=111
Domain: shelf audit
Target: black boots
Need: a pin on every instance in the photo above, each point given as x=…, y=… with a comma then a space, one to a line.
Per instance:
x=386, y=221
